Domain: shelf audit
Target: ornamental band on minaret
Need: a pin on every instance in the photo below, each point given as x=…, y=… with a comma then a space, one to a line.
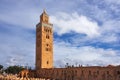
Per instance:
x=44, y=43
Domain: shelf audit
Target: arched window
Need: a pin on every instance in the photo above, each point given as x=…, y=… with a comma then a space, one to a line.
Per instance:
x=50, y=31
x=89, y=72
x=47, y=49
x=47, y=44
x=47, y=62
x=47, y=37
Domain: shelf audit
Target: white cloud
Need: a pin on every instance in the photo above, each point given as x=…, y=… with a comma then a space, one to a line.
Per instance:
x=27, y=19
x=24, y=13
x=64, y=23
x=17, y=48
x=65, y=53
x=113, y=1
x=109, y=31
x=110, y=38
x=106, y=33
x=16, y=60
x=111, y=26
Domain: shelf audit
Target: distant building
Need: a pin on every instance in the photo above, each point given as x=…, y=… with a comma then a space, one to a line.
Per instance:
x=44, y=60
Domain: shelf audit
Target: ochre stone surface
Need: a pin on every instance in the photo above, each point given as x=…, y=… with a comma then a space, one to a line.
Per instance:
x=81, y=73
x=44, y=43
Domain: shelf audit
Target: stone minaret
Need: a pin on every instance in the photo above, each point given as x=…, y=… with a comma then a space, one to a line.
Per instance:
x=44, y=43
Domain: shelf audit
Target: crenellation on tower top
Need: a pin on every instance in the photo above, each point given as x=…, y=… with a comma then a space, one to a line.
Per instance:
x=44, y=17
x=44, y=11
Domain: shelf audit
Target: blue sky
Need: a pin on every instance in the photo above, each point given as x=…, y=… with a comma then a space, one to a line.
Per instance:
x=86, y=32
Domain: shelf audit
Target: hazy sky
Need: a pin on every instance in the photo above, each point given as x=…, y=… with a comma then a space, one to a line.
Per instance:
x=86, y=32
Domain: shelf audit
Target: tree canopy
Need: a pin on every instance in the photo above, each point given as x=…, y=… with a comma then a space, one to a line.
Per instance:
x=14, y=69
x=1, y=67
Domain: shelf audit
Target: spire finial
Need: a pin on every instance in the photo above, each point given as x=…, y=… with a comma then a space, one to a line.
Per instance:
x=44, y=11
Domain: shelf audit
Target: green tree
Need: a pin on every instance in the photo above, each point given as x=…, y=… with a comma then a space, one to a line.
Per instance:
x=1, y=67
x=14, y=69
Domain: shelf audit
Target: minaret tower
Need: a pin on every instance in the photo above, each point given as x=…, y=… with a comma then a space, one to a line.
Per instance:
x=44, y=43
